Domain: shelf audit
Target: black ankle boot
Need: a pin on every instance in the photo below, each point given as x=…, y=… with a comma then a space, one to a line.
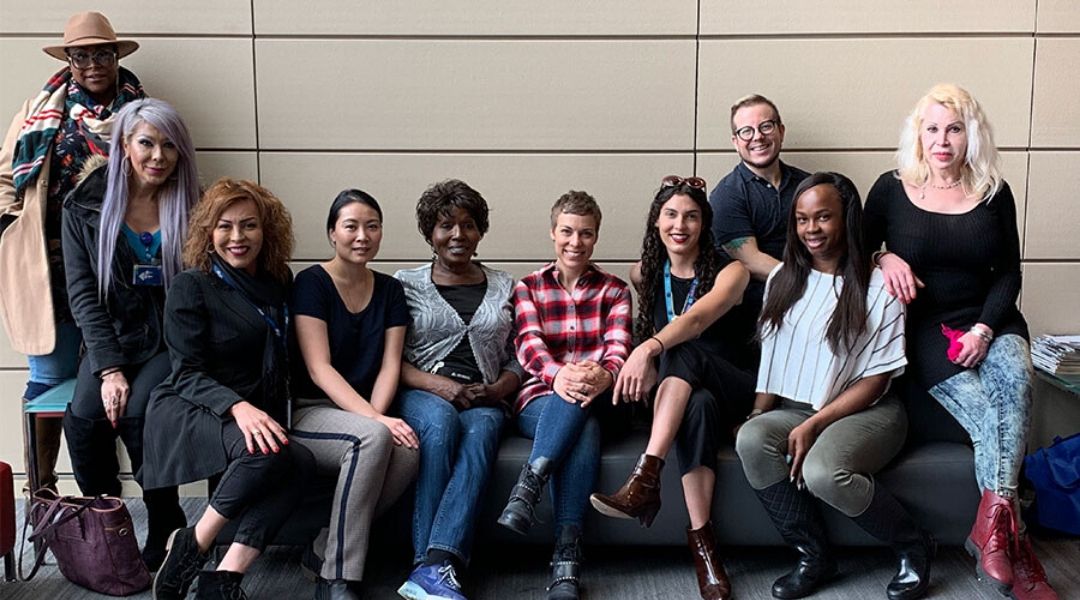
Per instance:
x=566, y=565
x=799, y=522
x=220, y=585
x=183, y=562
x=886, y=520
x=518, y=514
x=163, y=516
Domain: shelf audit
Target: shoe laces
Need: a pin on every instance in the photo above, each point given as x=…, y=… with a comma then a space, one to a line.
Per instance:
x=999, y=540
x=447, y=574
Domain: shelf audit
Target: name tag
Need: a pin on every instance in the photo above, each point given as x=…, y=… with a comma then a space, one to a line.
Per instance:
x=147, y=275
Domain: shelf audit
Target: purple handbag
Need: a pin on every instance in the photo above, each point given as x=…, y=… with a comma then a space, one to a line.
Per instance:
x=93, y=540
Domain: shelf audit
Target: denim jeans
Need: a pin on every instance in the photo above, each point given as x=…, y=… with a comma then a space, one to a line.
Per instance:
x=457, y=453
x=993, y=403
x=568, y=436
x=49, y=370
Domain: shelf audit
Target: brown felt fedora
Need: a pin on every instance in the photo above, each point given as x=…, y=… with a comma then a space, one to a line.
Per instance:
x=89, y=29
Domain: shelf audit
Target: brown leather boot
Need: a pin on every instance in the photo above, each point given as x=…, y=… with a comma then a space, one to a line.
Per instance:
x=712, y=579
x=48, y=432
x=990, y=540
x=639, y=497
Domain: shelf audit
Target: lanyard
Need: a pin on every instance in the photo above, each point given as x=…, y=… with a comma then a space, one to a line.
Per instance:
x=279, y=332
x=669, y=299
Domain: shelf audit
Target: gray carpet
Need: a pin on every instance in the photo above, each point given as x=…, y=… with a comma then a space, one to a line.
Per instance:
x=519, y=572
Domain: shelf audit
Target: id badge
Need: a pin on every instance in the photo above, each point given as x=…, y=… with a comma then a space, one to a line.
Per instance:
x=147, y=275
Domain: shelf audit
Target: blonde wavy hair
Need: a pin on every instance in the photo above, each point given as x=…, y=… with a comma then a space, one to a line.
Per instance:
x=981, y=171
x=278, y=240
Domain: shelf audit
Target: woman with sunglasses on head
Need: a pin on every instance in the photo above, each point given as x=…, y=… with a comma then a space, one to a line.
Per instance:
x=41, y=158
x=693, y=339
x=823, y=423
x=350, y=324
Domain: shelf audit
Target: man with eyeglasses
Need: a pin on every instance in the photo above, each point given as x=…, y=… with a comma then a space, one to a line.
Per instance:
x=41, y=159
x=751, y=204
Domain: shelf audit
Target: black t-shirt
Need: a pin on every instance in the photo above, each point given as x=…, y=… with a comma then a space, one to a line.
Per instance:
x=460, y=364
x=356, y=340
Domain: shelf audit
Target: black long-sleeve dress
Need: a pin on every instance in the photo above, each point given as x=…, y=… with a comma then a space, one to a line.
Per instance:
x=970, y=263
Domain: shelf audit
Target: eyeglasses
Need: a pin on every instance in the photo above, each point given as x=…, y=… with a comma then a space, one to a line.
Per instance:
x=675, y=180
x=103, y=58
x=764, y=128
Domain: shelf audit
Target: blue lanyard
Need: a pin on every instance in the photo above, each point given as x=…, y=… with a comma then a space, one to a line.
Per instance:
x=669, y=299
x=279, y=332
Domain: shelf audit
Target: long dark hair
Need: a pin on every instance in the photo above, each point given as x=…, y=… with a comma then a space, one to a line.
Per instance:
x=848, y=321
x=654, y=253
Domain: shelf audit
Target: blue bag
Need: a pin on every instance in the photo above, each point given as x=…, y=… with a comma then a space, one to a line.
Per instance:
x=1055, y=473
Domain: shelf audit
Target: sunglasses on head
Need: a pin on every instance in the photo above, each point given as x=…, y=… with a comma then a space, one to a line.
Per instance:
x=675, y=180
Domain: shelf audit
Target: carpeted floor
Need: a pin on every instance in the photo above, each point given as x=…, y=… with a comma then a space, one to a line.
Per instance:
x=648, y=573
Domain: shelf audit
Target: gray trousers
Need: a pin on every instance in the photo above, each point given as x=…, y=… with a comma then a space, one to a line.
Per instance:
x=371, y=472
x=840, y=465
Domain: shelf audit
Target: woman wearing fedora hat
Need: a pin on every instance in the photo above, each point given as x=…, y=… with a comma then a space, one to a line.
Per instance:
x=53, y=133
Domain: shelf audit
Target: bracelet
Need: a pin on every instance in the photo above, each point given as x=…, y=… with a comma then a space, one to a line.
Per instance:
x=876, y=257
x=757, y=412
x=981, y=332
x=657, y=340
x=108, y=372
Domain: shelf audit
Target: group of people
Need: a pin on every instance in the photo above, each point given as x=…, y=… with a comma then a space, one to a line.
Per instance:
x=768, y=313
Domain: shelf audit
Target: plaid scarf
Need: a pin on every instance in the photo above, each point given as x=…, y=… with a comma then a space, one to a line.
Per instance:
x=63, y=98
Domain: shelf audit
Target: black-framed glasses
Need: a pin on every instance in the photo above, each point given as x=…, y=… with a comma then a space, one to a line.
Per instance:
x=764, y=128
x=81, y=59
x=675, y=180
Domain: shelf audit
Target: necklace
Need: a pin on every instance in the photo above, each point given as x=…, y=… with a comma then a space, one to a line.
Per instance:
x=953, y=185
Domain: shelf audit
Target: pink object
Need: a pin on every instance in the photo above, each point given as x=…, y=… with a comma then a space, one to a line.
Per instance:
x=954, y=341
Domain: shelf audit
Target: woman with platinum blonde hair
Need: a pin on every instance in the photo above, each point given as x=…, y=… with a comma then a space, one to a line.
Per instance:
x=124, y=227
x=948, y=222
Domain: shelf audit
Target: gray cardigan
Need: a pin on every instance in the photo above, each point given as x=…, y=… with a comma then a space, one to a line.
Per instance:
x=436, y=328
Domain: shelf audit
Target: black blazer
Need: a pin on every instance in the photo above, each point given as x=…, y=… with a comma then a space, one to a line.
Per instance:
x=216, y=341
x=124, y=328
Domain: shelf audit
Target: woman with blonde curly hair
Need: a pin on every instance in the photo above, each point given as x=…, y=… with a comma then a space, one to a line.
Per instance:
x=224, y=409
x=948, y=221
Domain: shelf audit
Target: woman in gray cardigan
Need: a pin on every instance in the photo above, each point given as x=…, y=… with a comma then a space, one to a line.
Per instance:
x=459, y=370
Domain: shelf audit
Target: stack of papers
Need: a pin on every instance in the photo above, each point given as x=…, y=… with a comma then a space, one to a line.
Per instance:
x=1058, y=355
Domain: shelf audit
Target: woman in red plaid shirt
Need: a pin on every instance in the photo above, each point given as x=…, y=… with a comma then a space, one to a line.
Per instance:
x=573, y=336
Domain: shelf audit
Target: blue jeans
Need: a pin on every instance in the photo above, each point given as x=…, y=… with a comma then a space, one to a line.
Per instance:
x=568, y=436
x=457, y=452
x=49, y=370
x=993, y=403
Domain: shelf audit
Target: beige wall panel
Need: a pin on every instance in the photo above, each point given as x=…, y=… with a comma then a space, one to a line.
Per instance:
x=127, y=18
x=9, y=359
x=1051, y=295
x=520, y=190
x=209, y=81
x=1053, y=218
x=238, y=165
x=484, y=95
x=1055, y=114
x=769, y=17
x=855, y=93
x=863, y=168
x=478, y=17
x=24, y=69
x=1058, y=16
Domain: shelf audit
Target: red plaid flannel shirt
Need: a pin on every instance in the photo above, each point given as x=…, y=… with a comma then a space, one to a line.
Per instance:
x=555, y=327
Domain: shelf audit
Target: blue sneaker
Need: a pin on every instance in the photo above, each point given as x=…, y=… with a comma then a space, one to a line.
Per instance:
x=432, y=582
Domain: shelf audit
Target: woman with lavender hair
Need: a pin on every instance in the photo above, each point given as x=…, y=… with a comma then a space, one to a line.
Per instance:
x=123, y=231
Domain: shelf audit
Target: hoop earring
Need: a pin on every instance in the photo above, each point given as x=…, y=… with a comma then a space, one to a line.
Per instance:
x=125, y=166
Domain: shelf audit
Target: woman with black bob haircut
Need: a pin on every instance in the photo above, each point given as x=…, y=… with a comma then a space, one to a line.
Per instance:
x=350, y=324
x=692, y=339
x=224, y=409
x=124, y=227
x=460, y=373
x=823, y=421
